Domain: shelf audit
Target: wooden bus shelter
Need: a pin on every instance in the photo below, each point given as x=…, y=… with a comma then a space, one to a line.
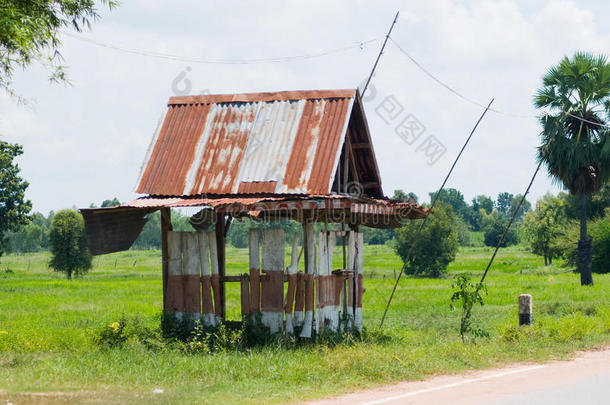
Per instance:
x=300, y=155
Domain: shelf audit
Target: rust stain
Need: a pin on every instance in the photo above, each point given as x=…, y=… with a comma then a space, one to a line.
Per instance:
x=201, y=145
x=253, y=187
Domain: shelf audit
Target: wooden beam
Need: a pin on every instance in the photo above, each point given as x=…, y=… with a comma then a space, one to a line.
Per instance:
x=370, y=184
x=361, y=145
x=352, y=160
x=166, y=226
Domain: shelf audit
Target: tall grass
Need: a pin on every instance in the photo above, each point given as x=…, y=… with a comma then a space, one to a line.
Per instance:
x=48, y=325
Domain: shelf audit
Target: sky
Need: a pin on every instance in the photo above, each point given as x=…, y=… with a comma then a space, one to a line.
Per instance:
x=85, y=142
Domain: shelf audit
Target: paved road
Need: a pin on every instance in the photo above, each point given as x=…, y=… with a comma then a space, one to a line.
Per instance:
x=586, y=380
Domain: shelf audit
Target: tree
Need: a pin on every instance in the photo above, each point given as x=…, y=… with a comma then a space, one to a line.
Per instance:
x=494, y=226
x=111, y=203
x=29, y=31
x=481, y=205
x=544, y=227
x=13, y=205
x=600, y=232
x=27, y=239
x=400, y=195
x=483, y=202
x=434, y=248
x=69, y=250
x=526, y=207
x=452, y=197
x=503, y=204
x=575, y=143
x=596, y=203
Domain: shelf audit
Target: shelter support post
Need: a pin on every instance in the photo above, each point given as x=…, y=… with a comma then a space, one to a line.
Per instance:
x=166, y=226
x=309, y=246
x=220, y=246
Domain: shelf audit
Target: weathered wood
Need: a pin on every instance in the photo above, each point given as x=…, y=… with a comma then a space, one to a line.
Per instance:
x=332, y=301
x=525, y=309
x=352, y=279
x=299, y=300
x=292, y=284
x=166, y=226
x=175, y=291
x=191, y=275
x=321, y=281
x=220, y=248
x=272, y=286
x=309, y=245
x=208, y=318
x=255, y=263
x=359, y=274
x=245, y=295
x=214, y=276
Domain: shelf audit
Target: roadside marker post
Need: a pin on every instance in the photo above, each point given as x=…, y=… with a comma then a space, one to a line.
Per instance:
x=525, y=309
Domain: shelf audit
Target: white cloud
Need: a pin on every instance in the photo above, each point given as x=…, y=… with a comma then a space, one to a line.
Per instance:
x=85, y=143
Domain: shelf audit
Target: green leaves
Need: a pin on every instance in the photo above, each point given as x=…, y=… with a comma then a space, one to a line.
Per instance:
x=69, y=243
x=29, y=31
x=468, y=294
x=13, y=205
x=433, y=248
x=576, y=99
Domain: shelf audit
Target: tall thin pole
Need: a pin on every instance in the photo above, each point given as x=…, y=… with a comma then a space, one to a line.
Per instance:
x=434, y=200
x=380, y=53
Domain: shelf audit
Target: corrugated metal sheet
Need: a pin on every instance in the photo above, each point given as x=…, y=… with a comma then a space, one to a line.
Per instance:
x=366, y=206
x=280, y=143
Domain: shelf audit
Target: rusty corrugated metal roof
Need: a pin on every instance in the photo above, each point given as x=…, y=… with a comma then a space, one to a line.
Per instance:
x=279, y=143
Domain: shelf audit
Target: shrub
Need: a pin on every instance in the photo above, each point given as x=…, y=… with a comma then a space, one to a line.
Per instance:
x=600, y=232
x=69, y=243
x=494, y=231
x=433, y=248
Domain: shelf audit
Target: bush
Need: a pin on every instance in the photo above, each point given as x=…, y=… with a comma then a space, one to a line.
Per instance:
x=494, y=231
x=434, y=248
x=600, y=232
x=69, y=243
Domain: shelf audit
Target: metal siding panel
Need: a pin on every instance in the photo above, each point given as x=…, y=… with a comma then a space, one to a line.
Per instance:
x=213, y=148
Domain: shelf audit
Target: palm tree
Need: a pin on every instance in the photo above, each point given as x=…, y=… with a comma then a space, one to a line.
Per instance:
x=575, y=137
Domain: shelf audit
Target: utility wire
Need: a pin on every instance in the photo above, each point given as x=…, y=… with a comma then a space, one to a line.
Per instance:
x=501, y=241
x=385, y=41
x=278, y=59
x=436, y=197
x=474, y=102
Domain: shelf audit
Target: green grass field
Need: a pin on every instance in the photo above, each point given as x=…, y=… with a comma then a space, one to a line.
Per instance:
x=48, y=354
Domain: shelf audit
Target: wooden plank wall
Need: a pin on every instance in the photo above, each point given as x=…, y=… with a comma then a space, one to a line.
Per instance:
x=317, y=299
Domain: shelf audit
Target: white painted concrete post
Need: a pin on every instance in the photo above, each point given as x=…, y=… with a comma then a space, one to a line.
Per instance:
x=525, y=309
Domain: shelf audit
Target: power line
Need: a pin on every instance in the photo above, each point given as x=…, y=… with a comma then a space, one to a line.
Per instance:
x=385, y=41
x=245, y=61
x=435, y=199
x=474, y=102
